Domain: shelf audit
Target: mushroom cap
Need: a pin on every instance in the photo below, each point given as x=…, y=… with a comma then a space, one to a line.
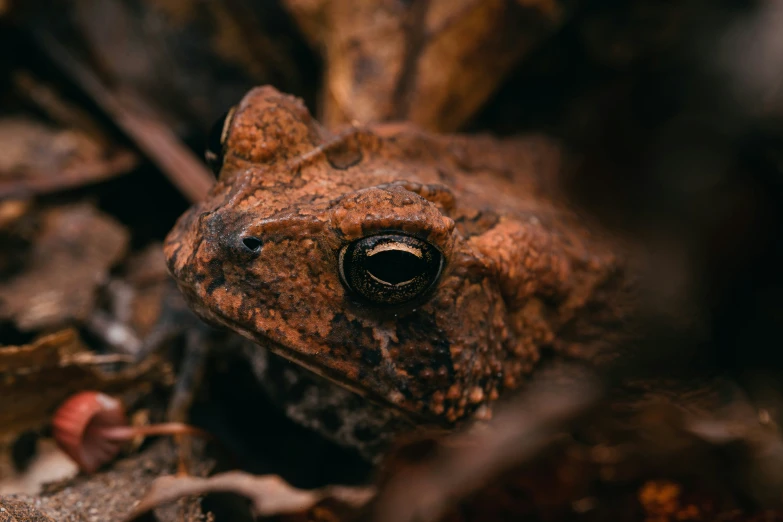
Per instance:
x=77, y=426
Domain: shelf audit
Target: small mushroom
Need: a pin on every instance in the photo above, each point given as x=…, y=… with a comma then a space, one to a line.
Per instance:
x=90, y=427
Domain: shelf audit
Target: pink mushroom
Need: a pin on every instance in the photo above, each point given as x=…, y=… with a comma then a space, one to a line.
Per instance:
x=90, y=427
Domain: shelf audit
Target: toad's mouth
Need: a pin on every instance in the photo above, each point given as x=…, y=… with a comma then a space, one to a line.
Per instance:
x=312, y=365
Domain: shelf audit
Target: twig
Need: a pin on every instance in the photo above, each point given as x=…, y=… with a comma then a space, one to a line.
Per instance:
x=129, y=112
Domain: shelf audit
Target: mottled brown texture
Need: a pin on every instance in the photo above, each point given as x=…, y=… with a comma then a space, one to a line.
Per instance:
x=524, y=277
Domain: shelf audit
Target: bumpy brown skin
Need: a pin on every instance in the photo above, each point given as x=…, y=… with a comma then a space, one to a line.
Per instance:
x=524, y=278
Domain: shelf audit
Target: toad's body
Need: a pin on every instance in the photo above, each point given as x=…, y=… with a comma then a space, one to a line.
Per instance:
x=428, y=273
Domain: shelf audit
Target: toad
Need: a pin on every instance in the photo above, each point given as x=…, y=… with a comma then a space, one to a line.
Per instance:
x=429, y=274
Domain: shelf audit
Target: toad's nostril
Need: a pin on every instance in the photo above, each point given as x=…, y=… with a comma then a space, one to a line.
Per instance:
x=253, y=244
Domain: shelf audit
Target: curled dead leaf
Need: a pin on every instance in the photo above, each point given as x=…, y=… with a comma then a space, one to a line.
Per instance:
x=35, y=377
x=269, y=494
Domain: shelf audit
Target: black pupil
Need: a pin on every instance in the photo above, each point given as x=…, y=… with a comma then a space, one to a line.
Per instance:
x=394, y=266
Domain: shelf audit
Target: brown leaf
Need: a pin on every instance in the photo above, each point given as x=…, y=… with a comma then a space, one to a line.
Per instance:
x=146, y=272
x=46, y=352
x=69, y=259
x=143, y=124
x=36, y=378
x=269, y=494
x=112, y=493
x=38, y=158
x=433, y=62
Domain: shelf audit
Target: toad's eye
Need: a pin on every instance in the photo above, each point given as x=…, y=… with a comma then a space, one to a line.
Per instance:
x=390, y=269
x=216, y=141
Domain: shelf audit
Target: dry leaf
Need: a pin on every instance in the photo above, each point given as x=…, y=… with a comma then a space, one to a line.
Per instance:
x=111, y=494
x=38, y=158
x=36, y=378
x=269, y=494
x=70, y=258
x=433, y=62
